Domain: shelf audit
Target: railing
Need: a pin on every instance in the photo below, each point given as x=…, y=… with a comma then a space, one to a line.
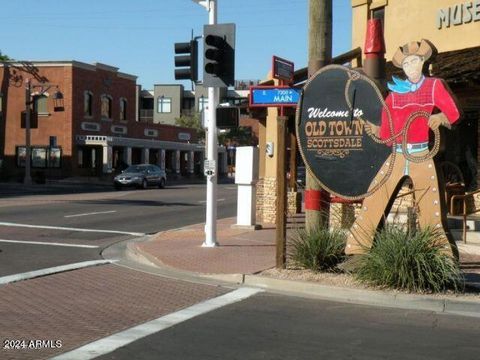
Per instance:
x=245, y=84
x=188, y=112
x=467, y=197
x=146, y=114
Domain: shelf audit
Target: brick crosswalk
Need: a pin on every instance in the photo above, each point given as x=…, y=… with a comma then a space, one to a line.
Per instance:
x=74, y=308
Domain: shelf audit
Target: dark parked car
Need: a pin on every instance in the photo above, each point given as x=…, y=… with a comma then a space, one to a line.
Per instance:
x=141, y=176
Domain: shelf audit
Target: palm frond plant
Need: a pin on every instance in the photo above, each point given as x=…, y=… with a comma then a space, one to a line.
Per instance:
x=412, y=261
x=318, y=249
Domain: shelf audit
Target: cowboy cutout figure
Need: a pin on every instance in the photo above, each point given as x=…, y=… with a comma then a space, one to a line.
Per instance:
x=413, y=107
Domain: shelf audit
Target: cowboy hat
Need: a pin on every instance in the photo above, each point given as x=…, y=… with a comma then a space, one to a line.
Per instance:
x=422, y=48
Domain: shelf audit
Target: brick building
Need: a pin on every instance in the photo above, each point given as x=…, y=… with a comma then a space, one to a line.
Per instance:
x=167, y=102
x=98, y=130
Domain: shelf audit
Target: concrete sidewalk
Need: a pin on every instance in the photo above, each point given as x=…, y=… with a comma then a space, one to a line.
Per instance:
x=243, y=254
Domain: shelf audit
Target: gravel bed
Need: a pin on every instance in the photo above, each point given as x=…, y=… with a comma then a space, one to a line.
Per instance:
x=346, y=280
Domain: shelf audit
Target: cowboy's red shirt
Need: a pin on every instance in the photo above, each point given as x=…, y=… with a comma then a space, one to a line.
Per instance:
x=431, y=94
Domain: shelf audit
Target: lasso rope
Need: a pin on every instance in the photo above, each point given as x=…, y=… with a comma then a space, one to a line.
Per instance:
x=352, y=76
x=403, y=133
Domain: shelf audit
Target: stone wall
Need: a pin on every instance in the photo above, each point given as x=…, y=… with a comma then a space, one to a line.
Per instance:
x=343, y=215
x=259, y=202
x=266, y=205
x=294, y=202
x=403, y=201
x=269, y=201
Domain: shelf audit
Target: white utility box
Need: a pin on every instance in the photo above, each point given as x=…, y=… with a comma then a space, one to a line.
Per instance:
x=246, y=165
x=246, y=177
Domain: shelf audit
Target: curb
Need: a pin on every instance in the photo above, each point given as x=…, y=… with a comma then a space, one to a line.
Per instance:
x=53, y=270
x=467, y=248
x=365, y=297
x=133, y=253
x=307, y=289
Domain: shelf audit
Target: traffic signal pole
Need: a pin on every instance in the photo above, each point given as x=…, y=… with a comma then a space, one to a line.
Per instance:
x=212, y=156
x=212, y=151
x=218, y=72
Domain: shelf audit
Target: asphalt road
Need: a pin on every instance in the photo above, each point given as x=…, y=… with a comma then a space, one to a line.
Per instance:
x=60, y=227
x=268, y=326
x=69, y=306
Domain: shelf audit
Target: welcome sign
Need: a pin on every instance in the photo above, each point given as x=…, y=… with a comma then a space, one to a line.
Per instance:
x=336, y=137
x=335, y=147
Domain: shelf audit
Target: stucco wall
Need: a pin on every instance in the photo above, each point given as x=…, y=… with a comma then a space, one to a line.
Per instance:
x=408, y=20
x=175, y=93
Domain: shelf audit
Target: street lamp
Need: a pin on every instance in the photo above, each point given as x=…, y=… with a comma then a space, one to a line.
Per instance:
x=29, y=100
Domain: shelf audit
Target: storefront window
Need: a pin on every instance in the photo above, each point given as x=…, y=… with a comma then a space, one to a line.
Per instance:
x=21, y=155
x=39, y=157
x=80, y=158
x=54, y=157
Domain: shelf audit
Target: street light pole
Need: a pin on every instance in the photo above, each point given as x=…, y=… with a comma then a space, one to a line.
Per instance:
x=28, y=95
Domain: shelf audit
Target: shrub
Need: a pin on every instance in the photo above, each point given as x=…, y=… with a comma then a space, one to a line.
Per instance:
x=318, y=249
x=409, y=261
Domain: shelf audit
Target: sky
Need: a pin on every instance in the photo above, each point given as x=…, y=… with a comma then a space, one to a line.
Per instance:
x=138, y=36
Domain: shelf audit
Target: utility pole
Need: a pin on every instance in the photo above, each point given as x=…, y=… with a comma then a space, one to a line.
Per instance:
x=27, y=180
x=319, y=55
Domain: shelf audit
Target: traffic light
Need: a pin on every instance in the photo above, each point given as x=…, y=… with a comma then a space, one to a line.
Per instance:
x=33, y=120
x=188, y=64
x=219, y=55
x=227, y=117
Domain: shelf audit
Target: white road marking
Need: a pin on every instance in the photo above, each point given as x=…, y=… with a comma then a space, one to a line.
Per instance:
x=37, y=273
x=71, y=229
x=204, y=201
x=48, y=243
x=123, y=338
x=92, y=213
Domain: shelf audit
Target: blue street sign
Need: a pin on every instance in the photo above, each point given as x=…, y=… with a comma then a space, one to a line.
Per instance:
x=271, y=96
